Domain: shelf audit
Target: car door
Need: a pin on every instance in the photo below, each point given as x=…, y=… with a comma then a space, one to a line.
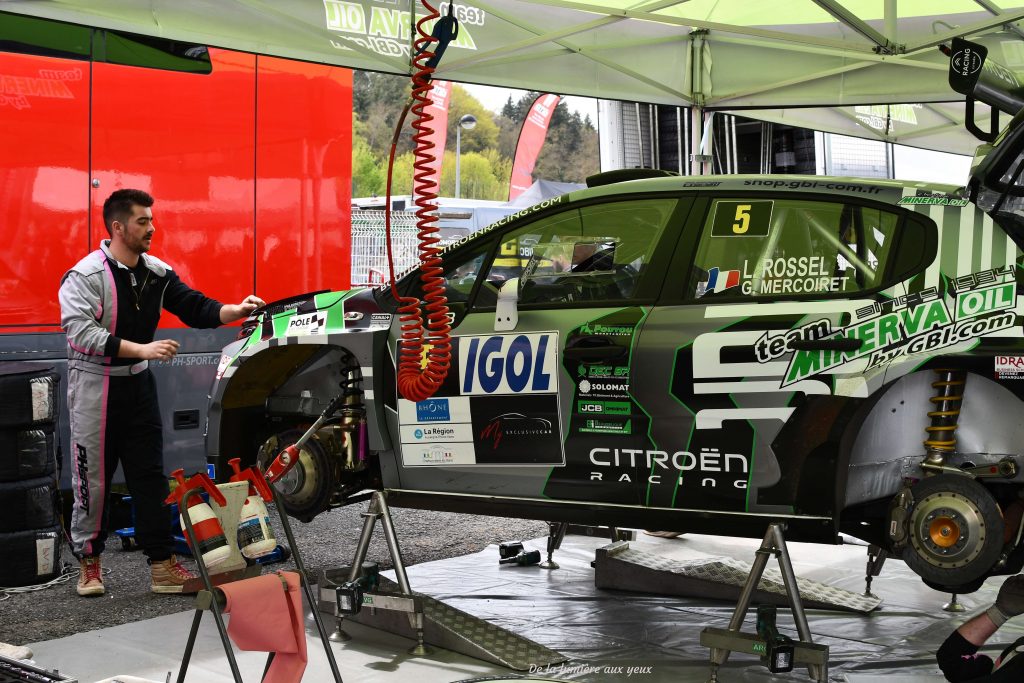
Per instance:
x=522, y=409
x=744, y=337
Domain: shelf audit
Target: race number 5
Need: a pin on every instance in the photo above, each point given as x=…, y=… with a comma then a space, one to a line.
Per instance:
x=741, y=218
x=742, y=223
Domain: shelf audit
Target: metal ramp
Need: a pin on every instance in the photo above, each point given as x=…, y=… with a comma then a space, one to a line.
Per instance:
x=452, y=629
x=358, y=592
x=620, y=567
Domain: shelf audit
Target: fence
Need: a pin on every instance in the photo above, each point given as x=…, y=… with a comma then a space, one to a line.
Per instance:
x=369, y=245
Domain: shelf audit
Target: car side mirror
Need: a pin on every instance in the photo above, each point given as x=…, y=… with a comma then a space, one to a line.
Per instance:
x=506, y=312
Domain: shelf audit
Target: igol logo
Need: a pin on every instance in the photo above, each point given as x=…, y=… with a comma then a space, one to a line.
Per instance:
x=508, y=364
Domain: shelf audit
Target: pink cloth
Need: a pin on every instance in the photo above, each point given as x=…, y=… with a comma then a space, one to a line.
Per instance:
x=266, y=618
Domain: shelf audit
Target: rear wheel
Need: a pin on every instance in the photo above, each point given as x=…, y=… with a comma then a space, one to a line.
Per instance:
x=306, y=489
x=955, y=531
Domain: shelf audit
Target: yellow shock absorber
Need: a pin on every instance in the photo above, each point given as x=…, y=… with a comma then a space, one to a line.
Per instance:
x=949, y=396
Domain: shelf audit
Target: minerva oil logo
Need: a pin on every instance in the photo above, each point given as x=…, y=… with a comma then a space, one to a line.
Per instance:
x=385, y=29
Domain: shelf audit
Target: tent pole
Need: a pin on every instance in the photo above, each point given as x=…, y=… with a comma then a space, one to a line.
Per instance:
x=696, y=124
x=679, y=141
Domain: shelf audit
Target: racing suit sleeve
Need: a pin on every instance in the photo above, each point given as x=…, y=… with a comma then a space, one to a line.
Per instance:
x=958, y=659
x=81, y=298
x=193, y=307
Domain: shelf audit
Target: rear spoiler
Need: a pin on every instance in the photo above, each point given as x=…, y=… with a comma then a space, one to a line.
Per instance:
x=971, y=73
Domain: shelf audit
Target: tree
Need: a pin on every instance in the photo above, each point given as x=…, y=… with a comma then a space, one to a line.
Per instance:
x=484, y=135
x=368, y=177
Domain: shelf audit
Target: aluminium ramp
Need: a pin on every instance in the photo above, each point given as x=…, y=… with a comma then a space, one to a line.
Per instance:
x=620, y=567
x=452, y=629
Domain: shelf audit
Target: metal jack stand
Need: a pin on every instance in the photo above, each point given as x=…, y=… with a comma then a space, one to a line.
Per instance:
x=360, y=591
x=214, y=601
x=953, y=605
x=556, y=532
x=780, y=654
x=876, y=558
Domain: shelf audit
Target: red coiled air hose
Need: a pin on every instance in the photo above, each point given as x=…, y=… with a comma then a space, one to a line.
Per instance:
x=416, y=381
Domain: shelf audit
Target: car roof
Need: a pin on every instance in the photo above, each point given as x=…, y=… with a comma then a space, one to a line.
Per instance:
x=875, y=188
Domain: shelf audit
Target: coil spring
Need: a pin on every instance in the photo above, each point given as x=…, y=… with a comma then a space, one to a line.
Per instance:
x=418, y=381
x=947, y=401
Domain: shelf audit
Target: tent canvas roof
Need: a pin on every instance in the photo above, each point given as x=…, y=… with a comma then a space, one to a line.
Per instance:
x=726, y=54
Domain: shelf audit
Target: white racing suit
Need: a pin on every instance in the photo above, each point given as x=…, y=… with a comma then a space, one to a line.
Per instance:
x=115, y=415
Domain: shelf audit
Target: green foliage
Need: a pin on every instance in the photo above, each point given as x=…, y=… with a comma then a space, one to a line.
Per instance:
x=570, y=152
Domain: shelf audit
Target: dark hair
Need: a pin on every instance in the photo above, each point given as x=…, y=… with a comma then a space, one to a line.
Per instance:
x=118, y=206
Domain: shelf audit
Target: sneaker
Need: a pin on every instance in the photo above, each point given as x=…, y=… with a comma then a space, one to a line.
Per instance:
x=169, y=576
x=90, y=577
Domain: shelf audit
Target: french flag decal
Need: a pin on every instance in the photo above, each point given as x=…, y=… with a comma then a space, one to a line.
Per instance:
x=721, y=280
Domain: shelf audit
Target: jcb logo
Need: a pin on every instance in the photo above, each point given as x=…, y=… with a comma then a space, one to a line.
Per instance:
x=591, y=408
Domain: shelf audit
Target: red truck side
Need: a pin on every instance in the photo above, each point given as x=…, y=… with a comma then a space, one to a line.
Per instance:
x=249, y=159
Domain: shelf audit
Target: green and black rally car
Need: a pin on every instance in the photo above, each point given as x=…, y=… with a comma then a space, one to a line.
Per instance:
x=704, y=354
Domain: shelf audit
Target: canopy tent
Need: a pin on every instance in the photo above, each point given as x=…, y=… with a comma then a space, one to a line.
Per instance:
x=724, y=54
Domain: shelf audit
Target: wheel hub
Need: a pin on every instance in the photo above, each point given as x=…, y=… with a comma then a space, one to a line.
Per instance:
x=947, y=530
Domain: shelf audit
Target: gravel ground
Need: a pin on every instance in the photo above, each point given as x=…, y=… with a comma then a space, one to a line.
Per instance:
x=326, y=542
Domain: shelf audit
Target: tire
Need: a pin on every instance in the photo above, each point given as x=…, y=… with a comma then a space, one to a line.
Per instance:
x=30, y=557
x=955, y=531
x=306, y=489
x=28, y=394
x=30, y=504
x=27, y=453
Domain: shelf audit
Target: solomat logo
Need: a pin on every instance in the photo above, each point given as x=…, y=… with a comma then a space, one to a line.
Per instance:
x=514, y=424
x=82, y=464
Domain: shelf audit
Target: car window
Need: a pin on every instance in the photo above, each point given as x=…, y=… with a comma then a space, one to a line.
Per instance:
x=596, y=253
x=766, y=248
x=459, y=272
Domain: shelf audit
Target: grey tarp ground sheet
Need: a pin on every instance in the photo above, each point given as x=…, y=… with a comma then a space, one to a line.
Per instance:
x=598, y=630
x=724, y=54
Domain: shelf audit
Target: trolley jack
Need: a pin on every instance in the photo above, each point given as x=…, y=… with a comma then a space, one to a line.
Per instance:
x=778, y=652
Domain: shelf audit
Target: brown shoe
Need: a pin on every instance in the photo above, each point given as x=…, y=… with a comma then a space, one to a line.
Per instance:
x=169, y=576
x=90, y=577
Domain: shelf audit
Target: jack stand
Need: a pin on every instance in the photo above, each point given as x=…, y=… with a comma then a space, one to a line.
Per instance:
x=953, y=605
x=338, y=635
x=350, y=597
x=556, y=532
x=804, y=651
x=876, y=558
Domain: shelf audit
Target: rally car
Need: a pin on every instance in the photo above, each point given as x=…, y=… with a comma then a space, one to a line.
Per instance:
x=701, y=354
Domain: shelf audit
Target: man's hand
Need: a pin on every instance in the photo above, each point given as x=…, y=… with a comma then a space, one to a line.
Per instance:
x=161, y=349
x=1010, y=602
x=229, y=313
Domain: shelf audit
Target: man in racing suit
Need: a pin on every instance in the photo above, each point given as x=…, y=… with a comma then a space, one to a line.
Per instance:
x=958, y=656
x=110, y=306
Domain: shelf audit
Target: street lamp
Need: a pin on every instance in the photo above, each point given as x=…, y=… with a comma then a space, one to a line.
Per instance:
x=469, y=123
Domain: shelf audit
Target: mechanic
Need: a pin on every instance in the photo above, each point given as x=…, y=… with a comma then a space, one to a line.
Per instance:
x=110, y=307
x=958, y=656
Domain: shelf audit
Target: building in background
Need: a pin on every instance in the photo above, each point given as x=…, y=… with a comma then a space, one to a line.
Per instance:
x=634, y=134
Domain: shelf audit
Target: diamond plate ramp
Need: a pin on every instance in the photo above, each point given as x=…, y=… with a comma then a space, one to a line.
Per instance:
x=622, y=568
x=452, y=629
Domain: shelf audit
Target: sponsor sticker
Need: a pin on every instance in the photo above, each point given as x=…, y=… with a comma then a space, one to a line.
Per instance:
x=436, y=433
x=307, y=324
x=1009, y=367
x=414, y=455
x=433, y=410
x=596, y=426
x=380, y=320
x=603, y=408
x=508, y=364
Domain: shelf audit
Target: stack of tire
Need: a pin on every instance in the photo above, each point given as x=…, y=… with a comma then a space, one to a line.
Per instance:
x=30, y=525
